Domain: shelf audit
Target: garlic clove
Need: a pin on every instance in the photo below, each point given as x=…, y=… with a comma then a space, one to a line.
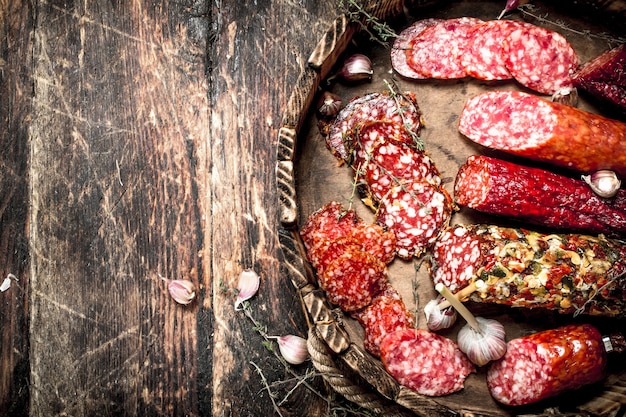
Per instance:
x=293, y=349
x=181, y=290
x=247, y=286
x=328, y=104
x=357, y=67
x=436, y=318
x=484, y=346
x=566, y=95
x=604, y=183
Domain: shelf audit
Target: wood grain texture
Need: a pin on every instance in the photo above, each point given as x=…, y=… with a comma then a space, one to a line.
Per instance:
x=16, y=39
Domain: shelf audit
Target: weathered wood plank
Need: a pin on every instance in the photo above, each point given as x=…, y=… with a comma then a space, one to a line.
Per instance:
x=119, y=133
x=16, y=26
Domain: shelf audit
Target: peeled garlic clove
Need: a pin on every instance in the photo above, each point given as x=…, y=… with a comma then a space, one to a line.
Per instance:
x=182, y=290
x=328, y=104
x=357, y=67
x=247, y=287
x=293, y=349
x=485, y=345
x=437, y=319
x=604, y=183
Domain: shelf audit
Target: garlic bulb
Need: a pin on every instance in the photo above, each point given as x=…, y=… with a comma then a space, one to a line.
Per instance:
x=247, y=286
x=604, y=183
x=485, y=345
x=181, y=290
x=436, y=318
x=293, y=349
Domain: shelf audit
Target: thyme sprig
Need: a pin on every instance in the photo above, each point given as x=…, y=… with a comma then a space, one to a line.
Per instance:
x=378, y=31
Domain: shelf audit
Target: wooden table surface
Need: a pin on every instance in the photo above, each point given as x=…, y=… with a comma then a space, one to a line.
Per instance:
x=138, y=141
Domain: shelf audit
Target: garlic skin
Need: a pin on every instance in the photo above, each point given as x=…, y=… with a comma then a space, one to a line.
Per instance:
x=328, y=104
x=293, y=349
x=483, y=346
x=182, y=290
x=604, y=183
x=357, y=67
x=247, y=287
x=437, y=319
x=566, y=95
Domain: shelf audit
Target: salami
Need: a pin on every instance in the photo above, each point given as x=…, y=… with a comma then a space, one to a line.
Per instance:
x=605, y=77
x=401, y=48
x=528, y=126
x=569, y=273
x=386, y=314
x=483, y=56
x=436, y=51
x=415, y=212
x=373, y=239
x=328, y=250
x=540, y=59
x=425, y=362
x=400, y=109
x=327, y=224
x=546, y=364
x=537, y=196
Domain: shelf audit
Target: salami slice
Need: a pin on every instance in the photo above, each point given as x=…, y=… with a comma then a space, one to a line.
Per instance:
x=327, y=224
x=546, y=364
x=375, y=240
x=401, y=48
x=401, y=109
x=386, y=314
x=436, y=51
x=415, y=212
x=528, y=126
x=569, y=273
x=540, y=59
x=329, y=250
x=537, y=196
x=353, y=279
x=483, y=56
x=373, y=133
x=425, y=362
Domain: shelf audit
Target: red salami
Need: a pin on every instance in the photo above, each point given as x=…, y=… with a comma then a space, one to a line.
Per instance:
x=483, y=56
x=546, y=364
x=425, y=362
x=399, y=109
x=537, y=196
x=528, y=126
x=436, y=52
x=386, y=314
x=375, y=240
x=605, y=77
x=353, y=279
x=401, y=48
x=415, y=212
x=374, y=133
x=327, y=224
x=540, y=59
x=328, y=250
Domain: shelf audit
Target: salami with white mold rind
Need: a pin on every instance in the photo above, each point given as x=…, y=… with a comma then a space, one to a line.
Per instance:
x=526, y=125
x=401, y=48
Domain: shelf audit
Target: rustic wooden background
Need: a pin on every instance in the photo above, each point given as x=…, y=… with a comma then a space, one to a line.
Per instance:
x=137, y=140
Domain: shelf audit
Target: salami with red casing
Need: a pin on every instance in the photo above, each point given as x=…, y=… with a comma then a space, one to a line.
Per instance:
x=546, y=364
x=528, y=126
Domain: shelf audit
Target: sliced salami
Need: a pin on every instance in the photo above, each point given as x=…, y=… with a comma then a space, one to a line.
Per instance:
x=546, y=364
x=483, y=56
x=373, y=133
x=401, y=48
x=329, y=250
x=528, y=126
x=415, y=212
x=540, y=59
x=327, y=224
x=425, y=362
x=375, y=240
x=353, y=279
x=436, y=51
x=400, y=109
x=386, y=314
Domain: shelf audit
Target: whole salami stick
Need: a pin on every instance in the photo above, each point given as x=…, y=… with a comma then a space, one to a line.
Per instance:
x=548, y=363
x=529, y=126
x=537, y=196
x=570, y=273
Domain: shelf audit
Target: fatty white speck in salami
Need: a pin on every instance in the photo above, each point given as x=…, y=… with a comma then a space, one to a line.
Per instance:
x=425, y=362
x=327, y=224
x=540, y=59
x=400, y=109
x=401, y=48
x=456, y=256
x=353, y=279
x=415, y=212
x=436, y=51
x=483, y=57
x=546, y=364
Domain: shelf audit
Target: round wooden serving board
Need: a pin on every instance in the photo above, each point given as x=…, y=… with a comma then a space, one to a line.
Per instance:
x=309, y=176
